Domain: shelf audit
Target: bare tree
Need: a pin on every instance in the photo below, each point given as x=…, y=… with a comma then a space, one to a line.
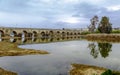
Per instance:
x=94, y=22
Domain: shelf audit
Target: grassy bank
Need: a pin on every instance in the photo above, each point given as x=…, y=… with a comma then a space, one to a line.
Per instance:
x=5, y=72
x=104, y=37
x=11, y=49
x=80, y=69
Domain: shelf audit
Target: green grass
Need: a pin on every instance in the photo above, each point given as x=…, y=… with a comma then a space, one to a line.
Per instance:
x=115, y=31
x=110, y=72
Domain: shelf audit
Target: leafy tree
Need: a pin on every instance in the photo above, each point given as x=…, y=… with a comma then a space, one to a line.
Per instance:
x=105, y=26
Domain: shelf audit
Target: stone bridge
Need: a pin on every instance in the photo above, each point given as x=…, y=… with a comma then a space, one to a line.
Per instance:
x=7, y=32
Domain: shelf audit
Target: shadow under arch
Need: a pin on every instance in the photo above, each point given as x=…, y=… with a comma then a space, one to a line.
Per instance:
x=51, y=34
x=71, y=33
x=43, y=34
x=68, y=33
x=63, y=34
x=58, y=34
x=75, y=33
x=1, y=35
x=78, y=33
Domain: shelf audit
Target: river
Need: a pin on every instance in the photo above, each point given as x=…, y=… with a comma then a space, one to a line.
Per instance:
x=62, y=55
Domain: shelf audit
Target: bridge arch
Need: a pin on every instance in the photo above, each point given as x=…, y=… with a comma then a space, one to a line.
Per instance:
x=58, y=33
x=43, y=34
x=34, y=33
x=1, y=35
x=24, y=35
x=34, y=36
x=71, y=33
x=68, y=33
x=51, y=33
x=13, y=34
x=63, y=33
x=78, y=33
x=75, y=33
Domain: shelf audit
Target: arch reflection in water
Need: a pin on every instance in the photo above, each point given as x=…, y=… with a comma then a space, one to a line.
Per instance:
x=13, y=34
x=102, y=48
x=34, y=36
x=13, y=40
x=1, y=35
x=24, y=33
x=22, y=39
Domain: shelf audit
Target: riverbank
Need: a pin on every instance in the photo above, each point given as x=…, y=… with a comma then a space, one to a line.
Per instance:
x=11, y=49
x=5, y=72
x=103, y=37
x=80, y=69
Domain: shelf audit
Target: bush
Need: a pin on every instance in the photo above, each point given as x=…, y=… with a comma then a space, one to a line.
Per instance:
x=109, y=72
x=115, y=31
x=85, y=33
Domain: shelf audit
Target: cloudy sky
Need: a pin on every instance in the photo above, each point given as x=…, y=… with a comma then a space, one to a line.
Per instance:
x=57, y=13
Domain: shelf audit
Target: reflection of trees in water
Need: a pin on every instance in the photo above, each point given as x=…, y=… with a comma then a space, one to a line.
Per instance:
x=94, y=52
x=103, y=48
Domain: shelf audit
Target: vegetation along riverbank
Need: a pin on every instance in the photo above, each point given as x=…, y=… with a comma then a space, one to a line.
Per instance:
x=104, y=37
x=11, y=49
x=5, y=72
x=80, y=69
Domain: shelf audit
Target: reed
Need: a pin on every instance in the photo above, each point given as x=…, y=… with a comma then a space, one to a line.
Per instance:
x=104, y=37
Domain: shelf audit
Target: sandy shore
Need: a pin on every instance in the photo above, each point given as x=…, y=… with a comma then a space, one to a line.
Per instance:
x=81, y=69
x=11, y=49
x=5, y=72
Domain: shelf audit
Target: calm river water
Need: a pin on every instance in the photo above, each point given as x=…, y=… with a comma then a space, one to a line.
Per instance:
x=62, y=55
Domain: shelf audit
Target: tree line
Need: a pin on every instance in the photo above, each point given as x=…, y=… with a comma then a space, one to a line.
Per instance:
x=104, y=25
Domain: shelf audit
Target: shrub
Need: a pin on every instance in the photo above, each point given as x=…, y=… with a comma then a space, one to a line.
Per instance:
x=115, y=31
x=85, y=33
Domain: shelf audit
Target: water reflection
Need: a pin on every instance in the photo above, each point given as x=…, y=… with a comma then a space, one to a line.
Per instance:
x=94, y=52
x=31, y=40
x=102, y=48
x=1, y=35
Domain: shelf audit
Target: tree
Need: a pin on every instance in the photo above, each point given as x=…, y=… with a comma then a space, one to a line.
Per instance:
x=93, y=24
x=105, y=26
